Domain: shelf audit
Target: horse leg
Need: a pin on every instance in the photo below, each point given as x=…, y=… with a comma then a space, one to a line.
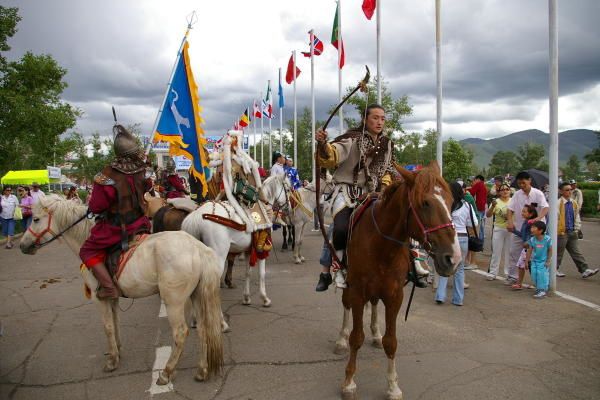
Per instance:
x=341, y=345
x=246, y=295
x=229, y=273
x=176, y=316
x=112, y=362
x=390, y=342
x=261, y=285
x=202, y=373
x=293, y=236
x=357, y=337
x=116, y=320
x=375, y=332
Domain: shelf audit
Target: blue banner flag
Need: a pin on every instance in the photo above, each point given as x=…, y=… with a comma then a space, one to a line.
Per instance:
x=280, y=93
x=180, y=122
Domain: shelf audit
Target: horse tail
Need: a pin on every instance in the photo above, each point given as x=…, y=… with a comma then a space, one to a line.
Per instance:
x=158, y=220
x=207, y=303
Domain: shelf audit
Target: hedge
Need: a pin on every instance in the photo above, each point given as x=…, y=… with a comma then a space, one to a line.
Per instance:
x=590, y=202
x=588, y=185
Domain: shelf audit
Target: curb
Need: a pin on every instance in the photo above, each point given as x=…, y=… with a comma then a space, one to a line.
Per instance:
x=590, y=219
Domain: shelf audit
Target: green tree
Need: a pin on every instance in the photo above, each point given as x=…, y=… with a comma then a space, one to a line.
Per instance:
x=503, y=162
x=32, y=114
x=89, y=156
x=594, y=155
x=593, y=170
x=531, y=155
x=572, y=169
x=458, y=161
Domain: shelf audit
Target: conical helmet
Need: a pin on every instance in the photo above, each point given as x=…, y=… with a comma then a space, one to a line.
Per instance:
x=125, y=143
x=170, y=167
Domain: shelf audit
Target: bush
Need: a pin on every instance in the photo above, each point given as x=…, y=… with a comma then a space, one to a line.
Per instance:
x=588, y=185
x=590, y=202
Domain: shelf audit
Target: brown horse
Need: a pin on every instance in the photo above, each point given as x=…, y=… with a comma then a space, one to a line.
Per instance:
x=415, y=207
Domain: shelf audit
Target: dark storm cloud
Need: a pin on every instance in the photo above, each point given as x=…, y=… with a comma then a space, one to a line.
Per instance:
x=493, y=52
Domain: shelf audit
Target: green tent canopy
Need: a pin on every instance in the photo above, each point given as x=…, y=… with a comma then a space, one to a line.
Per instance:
x=26, y=177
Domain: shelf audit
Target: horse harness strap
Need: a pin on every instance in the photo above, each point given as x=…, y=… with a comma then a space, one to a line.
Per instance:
x=38, y=236
x=225, y=222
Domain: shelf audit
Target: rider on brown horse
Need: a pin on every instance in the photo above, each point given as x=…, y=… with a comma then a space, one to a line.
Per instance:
x=362, y=159
x=118, y=199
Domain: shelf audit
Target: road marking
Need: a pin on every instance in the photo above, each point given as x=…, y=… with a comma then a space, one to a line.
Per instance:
x=163, y=310
x=560, y=294
x=162, y=355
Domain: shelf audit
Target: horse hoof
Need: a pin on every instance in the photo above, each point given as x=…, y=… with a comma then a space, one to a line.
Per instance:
x=340, y=349
x=110, y=365
x=394, y=394
x=222, y=285
x=231, y=285
x=162, y=379
x=246, y=301
x=377, y=343
x=297, y=261
x=201, y=375
x=225, y=328
x=193, y=323
x=267, y=303
x=349, y=394
x=302, y=259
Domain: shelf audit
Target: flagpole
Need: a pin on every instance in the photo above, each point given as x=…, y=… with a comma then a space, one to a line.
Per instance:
x=280, y=116
x=254, y=130
x=340, y=44
x=553, y=119
x=438, y=74
x=161, y=107
x=262, y=131
x=378, y=11
x=312, y=98
x=270, y=94
x=295, y=114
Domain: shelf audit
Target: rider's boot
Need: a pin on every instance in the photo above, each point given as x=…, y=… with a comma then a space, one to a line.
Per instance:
x=107, y=288
x=325, y=280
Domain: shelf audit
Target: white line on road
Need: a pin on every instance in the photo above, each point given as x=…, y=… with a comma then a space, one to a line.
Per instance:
x=162, y=355
x=560, y=294
x=163, y=310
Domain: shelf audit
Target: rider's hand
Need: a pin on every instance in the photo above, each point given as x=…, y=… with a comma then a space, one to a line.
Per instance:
x=321, y=136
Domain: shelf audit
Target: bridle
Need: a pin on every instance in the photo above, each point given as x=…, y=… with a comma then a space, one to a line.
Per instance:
x=38, y=236
x=424, y=230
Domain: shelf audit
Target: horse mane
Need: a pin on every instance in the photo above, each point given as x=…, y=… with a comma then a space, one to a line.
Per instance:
x=425, y=182
x=390, y=190
x=64, y=213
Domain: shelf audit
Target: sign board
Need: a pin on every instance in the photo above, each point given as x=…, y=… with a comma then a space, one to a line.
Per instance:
x=54, y=172
x=181, y=163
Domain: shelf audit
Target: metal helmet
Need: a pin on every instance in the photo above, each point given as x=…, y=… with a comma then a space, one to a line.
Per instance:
x=125, y=143
x=128, y=153
x=170, y=167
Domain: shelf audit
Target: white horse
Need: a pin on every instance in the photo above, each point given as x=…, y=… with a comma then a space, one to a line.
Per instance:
x=173, y=264
x=302, y=214
x=224, y=240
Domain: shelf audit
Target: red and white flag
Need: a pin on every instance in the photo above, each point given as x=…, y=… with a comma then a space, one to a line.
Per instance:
x=289, y=74
x=318, y=47
x=257, y=113
x=368, y=8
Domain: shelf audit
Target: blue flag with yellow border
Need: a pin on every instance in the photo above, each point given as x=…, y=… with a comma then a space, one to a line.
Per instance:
x=180, y=123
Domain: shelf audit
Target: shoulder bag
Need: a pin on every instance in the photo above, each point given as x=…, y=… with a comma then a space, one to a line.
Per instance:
x=475, y=243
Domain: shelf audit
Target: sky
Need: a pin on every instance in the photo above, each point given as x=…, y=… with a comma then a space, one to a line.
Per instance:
x=494, y=56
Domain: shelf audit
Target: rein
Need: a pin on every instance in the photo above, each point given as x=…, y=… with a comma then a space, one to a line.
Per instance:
x=38, y=236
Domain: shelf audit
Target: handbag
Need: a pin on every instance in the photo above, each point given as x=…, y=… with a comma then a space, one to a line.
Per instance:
x=18, y=213
x=475, y=243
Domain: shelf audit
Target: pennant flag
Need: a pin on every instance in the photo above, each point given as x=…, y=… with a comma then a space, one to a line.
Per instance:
x=289, y=74
x=280, y=92
x=336, y=39
x=180, y=123
x=245, y=118
x=318, y=47
x=368, y=8
x=257, y=113
x=267, y=104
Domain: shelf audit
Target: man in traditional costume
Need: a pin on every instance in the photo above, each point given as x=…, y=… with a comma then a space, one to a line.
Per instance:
x=173, y=184
x=362, y=159
x=118, y=200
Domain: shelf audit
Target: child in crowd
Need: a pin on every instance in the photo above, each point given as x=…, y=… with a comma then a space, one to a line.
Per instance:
x=528, y=213
x=539, y=253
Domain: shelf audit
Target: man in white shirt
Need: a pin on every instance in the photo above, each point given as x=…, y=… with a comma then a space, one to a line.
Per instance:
x=277, y=168
x=526, y=195
x=36, y=193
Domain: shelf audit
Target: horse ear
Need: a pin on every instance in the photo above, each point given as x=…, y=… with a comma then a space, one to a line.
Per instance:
x=435, y=167
x=408, y=176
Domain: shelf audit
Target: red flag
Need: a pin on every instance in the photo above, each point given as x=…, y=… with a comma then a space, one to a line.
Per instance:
x=368, y=7
x=257, y=113
x=289, y=75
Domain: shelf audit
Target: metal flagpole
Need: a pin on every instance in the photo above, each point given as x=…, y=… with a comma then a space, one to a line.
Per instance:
x=312, y=98
x=280, y=118
x=255, y=158
x=378, y=11
x=262, y=131
x=553, y=100
x=270, y=94
x=438, y=75
x=295, y=114
x=340, y=44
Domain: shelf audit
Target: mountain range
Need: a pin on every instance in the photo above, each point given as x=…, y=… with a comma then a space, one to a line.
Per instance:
x=576, y=141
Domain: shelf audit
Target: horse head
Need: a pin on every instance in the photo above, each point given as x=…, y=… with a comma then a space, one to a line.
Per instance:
x=429, y=219
x=275, y=190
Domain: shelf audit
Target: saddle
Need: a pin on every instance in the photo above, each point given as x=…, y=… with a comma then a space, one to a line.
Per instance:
x=365, y=202
x=116, y=258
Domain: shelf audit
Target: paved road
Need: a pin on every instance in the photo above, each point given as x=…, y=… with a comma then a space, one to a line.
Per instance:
x=500, y=345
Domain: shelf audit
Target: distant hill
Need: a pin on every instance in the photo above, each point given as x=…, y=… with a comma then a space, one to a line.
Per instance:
x=576, y=141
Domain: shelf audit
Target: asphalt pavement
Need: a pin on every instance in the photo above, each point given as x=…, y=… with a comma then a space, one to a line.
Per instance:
x=500, y=345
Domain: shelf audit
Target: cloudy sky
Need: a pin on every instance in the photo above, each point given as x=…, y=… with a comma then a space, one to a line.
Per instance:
x=495, y=55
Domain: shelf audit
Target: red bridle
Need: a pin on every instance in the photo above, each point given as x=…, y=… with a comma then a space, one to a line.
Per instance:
x=39, y=236
x=422, y=227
